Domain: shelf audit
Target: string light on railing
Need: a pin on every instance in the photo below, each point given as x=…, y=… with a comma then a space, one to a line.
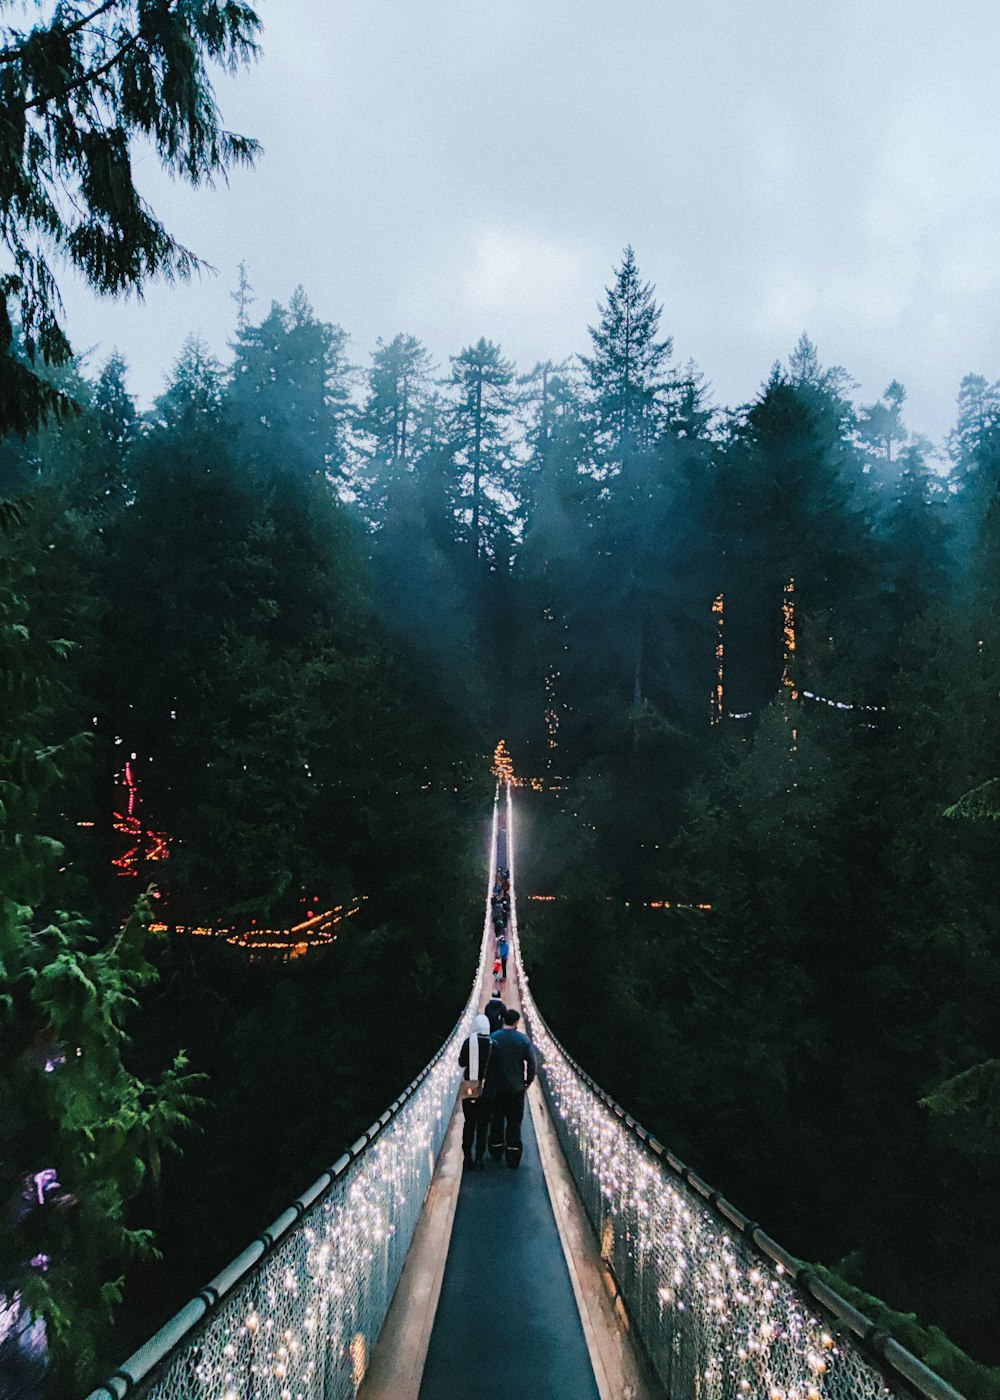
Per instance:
x=734, y=1324
x=313, y=1307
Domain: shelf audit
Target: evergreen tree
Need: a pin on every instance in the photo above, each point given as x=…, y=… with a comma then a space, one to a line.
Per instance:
x=481, y=431
x=914, y=535
x=627, y=369
x=243, y=297
x=79, y=1132
x=786, y=507
x=974, y=449
x=192, y=402
x=118, y=423
x=393, y=420
x=290, y=389
x=549, y=405
x=882, y=433
x=77, y=90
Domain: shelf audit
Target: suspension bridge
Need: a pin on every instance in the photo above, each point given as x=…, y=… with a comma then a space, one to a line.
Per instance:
x=603, y=1269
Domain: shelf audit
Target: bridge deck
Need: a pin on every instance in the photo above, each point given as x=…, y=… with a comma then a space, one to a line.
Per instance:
x=507, y=1321
x=488, y=1305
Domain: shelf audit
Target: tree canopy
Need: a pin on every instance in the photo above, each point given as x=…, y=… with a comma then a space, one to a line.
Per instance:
x=78, y=90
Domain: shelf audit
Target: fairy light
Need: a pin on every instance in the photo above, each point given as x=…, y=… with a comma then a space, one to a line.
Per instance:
x=551, y=716
x=718, y=707
x=315, y=932
x=127, y=824
x=308, y=1315
x=503, y=764
x=642, y=904
x=141, y=844
x=840, y=704
x=712, y=1315
x=788, y=637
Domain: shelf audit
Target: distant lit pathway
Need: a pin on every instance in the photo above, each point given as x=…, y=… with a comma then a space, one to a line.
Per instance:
x=507, y=1323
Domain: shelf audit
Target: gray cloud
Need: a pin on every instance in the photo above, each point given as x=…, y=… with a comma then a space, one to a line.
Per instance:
x=457, y=169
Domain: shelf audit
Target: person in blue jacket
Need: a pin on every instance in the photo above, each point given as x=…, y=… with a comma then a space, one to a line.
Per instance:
x=503, y=948
x=510, y=1071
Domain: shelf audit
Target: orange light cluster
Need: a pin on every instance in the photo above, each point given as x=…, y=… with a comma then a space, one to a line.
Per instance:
x=788, y=635
x=666, y=904
x=315, y=932
x=503, y=764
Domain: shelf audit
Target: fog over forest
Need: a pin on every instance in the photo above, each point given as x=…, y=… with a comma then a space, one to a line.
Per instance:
x=270, y=634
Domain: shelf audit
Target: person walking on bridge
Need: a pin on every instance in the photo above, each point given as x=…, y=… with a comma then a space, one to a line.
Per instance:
x=503, y=950
x=474, y=1057
x=509, y=1074
x=494, y=1012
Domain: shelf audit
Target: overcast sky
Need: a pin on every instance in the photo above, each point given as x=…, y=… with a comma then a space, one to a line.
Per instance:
x=457, y=168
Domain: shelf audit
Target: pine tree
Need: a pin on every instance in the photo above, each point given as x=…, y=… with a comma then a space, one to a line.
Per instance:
x=881, y=428
x=393, y=420
x=481, y=426
x=915, y=537
x=77, y=91
x=786, y=507
x=290, y=389
x=974, y=449
x=549, y=405
x=243, y=297
x=118, y=420
x=192, y=401
x=627, y=369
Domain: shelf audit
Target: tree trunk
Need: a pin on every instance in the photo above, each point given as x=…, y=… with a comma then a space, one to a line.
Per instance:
x=637, y=692
x=477, y=461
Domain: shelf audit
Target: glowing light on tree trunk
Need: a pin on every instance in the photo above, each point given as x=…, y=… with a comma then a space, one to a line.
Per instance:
x=718, y=706
x=788, y=638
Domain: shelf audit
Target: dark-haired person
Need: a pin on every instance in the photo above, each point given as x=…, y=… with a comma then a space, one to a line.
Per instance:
x=510, y=1071
x=494, y=1012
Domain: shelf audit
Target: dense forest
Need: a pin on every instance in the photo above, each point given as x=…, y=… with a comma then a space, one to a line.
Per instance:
x=259, y=641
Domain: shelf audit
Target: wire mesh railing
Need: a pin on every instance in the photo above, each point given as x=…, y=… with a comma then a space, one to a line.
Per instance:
x=296, y=1315
x=722, y=1312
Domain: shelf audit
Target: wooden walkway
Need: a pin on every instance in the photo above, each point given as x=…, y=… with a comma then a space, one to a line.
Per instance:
x=503, y=1293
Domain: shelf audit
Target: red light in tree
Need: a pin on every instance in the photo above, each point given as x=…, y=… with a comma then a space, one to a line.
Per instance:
x=139, y=843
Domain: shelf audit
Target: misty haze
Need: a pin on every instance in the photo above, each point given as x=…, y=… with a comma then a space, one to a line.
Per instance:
x=499, y=658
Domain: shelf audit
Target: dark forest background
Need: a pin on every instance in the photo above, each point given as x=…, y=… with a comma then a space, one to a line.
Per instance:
x=750, y=659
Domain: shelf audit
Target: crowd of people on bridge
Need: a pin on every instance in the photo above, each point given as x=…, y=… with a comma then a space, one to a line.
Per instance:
x=497, y=1058
x=500, y=914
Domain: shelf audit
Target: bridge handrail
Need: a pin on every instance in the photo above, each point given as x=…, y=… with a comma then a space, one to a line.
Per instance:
x=151, y=1354
x=885, y=1350
x=173, y=1360
x=890, y=1361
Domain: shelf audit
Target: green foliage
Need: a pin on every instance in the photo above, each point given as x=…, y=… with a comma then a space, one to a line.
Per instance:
x=981, y=804
x=481, y=441
x=290, y=388
x=970, y=1102
x=71, y=1105
x=77, y=90
x=627, y=369
x=930, y=1344
x=395, y=421
x=317, y=685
